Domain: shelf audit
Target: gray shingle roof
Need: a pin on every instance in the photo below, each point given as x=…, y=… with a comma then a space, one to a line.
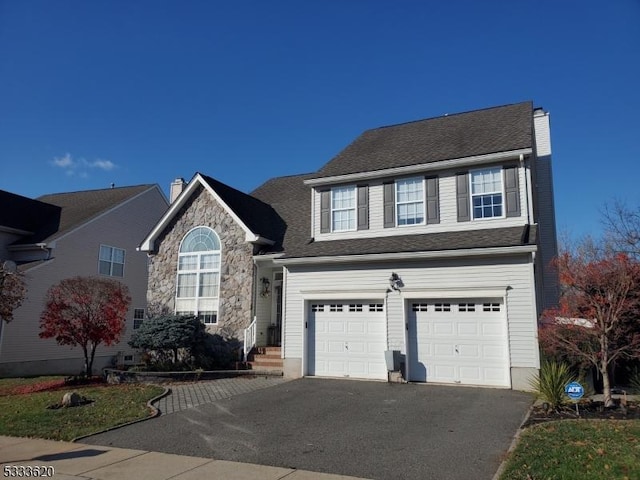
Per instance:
x=492, y=130
x=26, y=214
x=427, y=242
x=291, y=200
x=257, y=215
x=76, y=208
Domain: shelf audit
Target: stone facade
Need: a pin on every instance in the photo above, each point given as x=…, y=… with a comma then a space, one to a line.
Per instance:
x=236, y=276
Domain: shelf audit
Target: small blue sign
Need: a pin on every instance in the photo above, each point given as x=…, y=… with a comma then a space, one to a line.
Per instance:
x=574, y=390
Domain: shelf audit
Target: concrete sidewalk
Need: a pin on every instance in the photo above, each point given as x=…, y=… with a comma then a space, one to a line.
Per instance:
x=77, y=461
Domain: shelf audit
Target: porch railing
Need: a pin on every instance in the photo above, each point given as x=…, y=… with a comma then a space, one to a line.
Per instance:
x=250, y=334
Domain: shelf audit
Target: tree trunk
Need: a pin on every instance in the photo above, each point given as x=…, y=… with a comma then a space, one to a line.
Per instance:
x=87, y=367
x=606, y=384
x=93, y=355
x=604, y=371
x=175, y=356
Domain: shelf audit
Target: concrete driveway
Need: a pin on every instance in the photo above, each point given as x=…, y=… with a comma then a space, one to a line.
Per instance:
x=364, y=429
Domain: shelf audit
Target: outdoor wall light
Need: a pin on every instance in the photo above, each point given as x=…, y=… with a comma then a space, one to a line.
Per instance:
x=394, y=281
x=265, y=287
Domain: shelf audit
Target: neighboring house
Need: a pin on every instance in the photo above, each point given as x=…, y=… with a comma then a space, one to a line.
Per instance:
x=431, y=238
x=89, y=233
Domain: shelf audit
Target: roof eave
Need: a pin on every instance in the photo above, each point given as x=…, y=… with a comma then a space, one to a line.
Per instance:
x=422, y=167
x=434, y=254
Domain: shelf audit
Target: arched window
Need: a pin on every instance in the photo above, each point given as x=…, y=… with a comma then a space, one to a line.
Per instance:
x=198, y=281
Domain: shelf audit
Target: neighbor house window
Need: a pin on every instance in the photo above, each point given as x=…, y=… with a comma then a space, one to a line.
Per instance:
x=138, y=317
x=486, y=193
x=343, y=209
x=410, y=201
x=111, y=261
x=198, y=281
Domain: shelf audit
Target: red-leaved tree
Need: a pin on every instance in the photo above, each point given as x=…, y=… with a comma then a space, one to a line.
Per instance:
x=85, y=312
x=12, y=292
x=597, y=321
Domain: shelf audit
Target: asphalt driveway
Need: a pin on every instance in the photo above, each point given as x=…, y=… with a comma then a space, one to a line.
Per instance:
x=364, y=429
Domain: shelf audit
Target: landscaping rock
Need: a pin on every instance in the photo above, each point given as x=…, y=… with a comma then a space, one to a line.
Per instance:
x=72, y=399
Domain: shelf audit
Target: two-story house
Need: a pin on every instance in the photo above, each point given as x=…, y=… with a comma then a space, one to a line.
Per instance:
x=63, y=235
x=431, y=238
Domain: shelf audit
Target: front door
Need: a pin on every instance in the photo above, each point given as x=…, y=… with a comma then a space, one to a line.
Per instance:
x=275, y=330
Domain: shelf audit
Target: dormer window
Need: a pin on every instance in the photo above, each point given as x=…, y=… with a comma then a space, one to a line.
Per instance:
x=486, y=193
x=410, y=201
x=343, y=209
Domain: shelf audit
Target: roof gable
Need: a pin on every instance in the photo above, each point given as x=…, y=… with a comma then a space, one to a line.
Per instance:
x=259, y=221
x=479, y=132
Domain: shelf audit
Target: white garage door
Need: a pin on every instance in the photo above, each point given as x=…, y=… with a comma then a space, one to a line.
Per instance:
x=347, y=339
x=461, y=342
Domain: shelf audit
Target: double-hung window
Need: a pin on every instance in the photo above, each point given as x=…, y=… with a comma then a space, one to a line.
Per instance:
x=486, y=193
x=343, y=209
x=198, y=280
x=410, y=201
x=111, y=261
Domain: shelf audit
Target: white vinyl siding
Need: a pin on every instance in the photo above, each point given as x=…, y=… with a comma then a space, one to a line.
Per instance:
x=512, y=271
x=447, y=206
x=75, y=254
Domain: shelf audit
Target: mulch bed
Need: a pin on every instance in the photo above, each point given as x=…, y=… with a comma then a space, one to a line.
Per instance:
x=592, y=410
x=50, y=385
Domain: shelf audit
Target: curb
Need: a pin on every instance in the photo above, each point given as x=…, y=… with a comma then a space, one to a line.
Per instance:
x=155, y=412
x=514, y=443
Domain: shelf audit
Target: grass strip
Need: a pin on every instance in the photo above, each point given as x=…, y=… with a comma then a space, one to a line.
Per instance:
x=570, y=449
x=28, y=415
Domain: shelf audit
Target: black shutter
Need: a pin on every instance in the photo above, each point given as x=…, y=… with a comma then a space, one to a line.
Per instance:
x=389, y=204
x=363, y=207
x=512, y=191
x=325, y=211
x=433, y=202
x=462, y=197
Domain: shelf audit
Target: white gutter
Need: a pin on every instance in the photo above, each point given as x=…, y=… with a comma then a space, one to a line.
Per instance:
x=378, y=257
x=28, y=246
x=15, y=231
x=258, y=239
x=423, y=167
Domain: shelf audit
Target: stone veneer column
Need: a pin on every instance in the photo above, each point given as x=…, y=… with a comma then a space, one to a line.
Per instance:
x=236, y=270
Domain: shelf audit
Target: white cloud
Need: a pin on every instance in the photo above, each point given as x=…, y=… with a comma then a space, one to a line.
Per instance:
x=105, y=165
x=64, y=162
x=81, y=166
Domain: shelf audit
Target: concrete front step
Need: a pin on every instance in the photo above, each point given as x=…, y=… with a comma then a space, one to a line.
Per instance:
x=266, y=358
x=258, y=363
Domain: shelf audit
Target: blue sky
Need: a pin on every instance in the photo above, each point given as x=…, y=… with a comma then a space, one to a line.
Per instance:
x=135, y=92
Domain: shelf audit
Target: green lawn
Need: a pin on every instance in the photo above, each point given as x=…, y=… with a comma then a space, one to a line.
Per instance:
x=577, y=449
x=26, y=415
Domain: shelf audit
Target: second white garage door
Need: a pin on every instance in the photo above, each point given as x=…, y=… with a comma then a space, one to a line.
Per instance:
x=461, y=342
x=347, y=339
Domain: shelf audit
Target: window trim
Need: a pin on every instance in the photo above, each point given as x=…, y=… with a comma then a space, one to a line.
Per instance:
x=472, y=195
x=137, y=320
x=213, y=310
x=397, y=203
x=354, y=208
x=111, y=261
